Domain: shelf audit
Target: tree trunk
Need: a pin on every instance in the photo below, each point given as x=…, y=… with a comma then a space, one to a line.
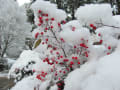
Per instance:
x=118, y=6
x=0, y=47
x=4, y=50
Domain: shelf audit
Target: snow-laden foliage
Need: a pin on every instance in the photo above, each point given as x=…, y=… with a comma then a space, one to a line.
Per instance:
x=13, y=25
x=27, y=84
x=106, y=26
x=28, y=61
x=94, y=13
x=69, y=49
x=48, y=8
x=102, y=74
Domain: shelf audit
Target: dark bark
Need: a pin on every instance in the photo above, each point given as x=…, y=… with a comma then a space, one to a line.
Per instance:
x=5, y=48
x=118, y=6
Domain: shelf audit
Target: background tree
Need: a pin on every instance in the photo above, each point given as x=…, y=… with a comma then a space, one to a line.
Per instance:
x=13, y=26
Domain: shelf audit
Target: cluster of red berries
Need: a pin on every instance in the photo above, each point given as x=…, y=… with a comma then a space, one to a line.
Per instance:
x=83, y=45
x=41, y=76
x=60, y=85
x=48, y=61
x=109, y=48
x=93, y=27
x=44, y=17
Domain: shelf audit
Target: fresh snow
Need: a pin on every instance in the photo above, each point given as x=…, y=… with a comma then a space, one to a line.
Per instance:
x=101, y=74
x=26, y=57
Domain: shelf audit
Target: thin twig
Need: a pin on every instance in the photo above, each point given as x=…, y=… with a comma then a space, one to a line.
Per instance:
x=108, y=25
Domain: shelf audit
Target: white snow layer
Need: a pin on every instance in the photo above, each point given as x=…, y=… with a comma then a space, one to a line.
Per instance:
x=26, y=84
x=50, y=9
x=102, y=74
x=94, y=13
x=26, y=57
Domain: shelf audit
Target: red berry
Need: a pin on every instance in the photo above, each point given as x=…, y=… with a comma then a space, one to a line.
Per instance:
x=46, y=15
x=94, y=28
x=39, y=11
x=83, y=45
x=71, y=63
x=38, y=77
x=57, y=53
x=46, y=28
x=43, y=43
x=64, y=72
x=61, y=56
x=59, y=24
x=52, y=19
x=46, y=73
x=51, y=27
x=101, y=41
x=56, y=74
x=99, y=34
x=33, y=70
x=73, y=28
x=42, y=33
x=39, y=24
x=54, y=48
x=51, y=63
x=86, y=54
x=40, y=21
x=59, y=84
x=58, y=58
x=49, y=46
x=51, y=70
x=66, y=60
x=70, y=66
x=109, y=47
x=75, y=47
x=46, y=19
x=43, y=14
x=63, y=22
x=42, y=72
x=91, y=25
x=51, y=51
x=76, y=58
x=62, y=39
x=59, y=78
x=47, y=59
x=108, y=53
x=47, y=39
x=44, y=60
x=40, y=18
x=67, y=69
x=36, y=35
x=60, y=71
x=78, y=62
x=56, y=62
x=73, y=57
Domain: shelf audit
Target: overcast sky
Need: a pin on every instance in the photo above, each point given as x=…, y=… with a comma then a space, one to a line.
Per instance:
x=21, y=2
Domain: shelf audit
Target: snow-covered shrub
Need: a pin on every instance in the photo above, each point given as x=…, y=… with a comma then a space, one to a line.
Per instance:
x=64, y=48
x=98, y=73
x=28, y=62
x=102, y=74
x=94, y=13
x=105, y=26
